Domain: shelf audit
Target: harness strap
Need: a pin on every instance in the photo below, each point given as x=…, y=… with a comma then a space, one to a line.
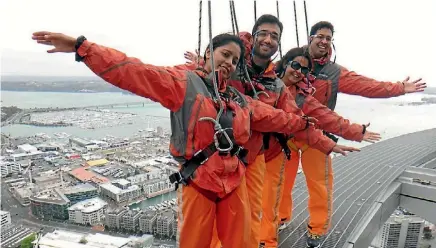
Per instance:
x=283, y=143
x=331, y=136
x=184, y=175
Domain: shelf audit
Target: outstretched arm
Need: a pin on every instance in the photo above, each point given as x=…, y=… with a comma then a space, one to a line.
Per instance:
x=311, y=136
x=161, y=84
x=331, y=122
x=354, y=84
x=265, y=118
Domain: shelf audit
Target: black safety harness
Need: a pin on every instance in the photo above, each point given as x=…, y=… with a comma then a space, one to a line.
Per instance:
x=260, y=84
x=185, y=174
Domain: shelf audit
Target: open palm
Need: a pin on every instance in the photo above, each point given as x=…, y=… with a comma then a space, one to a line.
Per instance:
x=62, y=43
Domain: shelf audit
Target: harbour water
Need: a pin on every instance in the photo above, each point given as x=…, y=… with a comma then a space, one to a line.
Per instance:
x=391, y=117
x=385, y=115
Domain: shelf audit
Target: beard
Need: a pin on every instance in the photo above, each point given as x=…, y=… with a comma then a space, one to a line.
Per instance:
x=263, y=55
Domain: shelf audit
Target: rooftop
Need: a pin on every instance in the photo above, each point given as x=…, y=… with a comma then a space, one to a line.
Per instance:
x=18, y=155
x=132, y=213
x=86, y=176
x=50, y=196
x=122, y=181
x=66, y=239
x=3, y=212
x=79, y=188
x=114, y=189
x=149, y=214
x=27, y=148
x=97, y=162
x=115, y=211
x=89, y=206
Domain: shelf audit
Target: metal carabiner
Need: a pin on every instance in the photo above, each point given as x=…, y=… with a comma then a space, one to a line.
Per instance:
x=217, y=143
x=218, y=129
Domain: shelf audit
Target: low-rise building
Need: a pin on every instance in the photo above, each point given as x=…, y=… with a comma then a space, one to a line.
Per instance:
x=50, y=204
x=88, y=212
x=22, y=194
x=164, y=224
x=80, y=192
x=98, y=162
x=130, y=220
x=147, y=222
x=114, y=219
x=83, y=175
x=54, y=203
x=157, y=187
x=120, y=191
x=61, y=239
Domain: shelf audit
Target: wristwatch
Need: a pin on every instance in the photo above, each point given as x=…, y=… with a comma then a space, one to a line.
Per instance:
x=79, y=42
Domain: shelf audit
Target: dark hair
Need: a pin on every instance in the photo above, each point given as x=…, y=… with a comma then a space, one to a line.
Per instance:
x=224, y=39
x=289, y=56
x=267, y=19
x=321, y=25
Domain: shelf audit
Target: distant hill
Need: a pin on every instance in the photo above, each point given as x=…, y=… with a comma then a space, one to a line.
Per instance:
x=57, y=84
x=430, y=90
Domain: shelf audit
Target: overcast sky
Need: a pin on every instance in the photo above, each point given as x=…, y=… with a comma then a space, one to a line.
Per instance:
x=383, y=39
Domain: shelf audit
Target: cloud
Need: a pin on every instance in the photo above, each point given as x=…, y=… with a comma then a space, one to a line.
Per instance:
x=387, y=40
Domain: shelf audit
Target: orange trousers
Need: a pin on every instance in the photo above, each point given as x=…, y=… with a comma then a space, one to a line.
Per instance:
x=317, y=168
x=254, y=176
x=197, y=215
x=291, y=169
x=272, y=187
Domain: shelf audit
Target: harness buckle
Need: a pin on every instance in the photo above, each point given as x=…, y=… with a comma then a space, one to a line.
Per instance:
x=238, y=150
x=181, y=179
x=203, y=160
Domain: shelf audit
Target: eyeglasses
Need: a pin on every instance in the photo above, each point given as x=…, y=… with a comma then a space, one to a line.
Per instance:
x=297, y=66
x=263, y=34
x=322, y=37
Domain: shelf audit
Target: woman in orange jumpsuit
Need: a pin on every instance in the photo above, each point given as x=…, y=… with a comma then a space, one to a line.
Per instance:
x=293, y=69
x=208, y=119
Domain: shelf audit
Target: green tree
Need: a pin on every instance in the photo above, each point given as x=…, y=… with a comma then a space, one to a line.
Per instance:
x=27, y=242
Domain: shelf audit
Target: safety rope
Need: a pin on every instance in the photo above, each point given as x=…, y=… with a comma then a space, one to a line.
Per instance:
x=244, y=66
x=307, y=24
x=278, y=17
x=217, y=126
x=255, y=11
x=199, y=33
x=296, y=24
x=231, y=16
x=232, y=3
x=214, y=79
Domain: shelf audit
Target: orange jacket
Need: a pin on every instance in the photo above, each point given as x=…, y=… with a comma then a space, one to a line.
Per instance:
x=280, y=98
x=186, y=95
x=328, y=120
x=349, y=82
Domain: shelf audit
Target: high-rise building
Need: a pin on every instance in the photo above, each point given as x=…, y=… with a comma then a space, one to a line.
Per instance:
x=400, y=231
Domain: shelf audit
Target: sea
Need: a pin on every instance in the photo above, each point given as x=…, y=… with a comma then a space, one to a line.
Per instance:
x=389, y=117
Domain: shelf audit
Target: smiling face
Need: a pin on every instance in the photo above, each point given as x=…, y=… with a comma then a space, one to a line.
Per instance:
x=226, y=58
x=266, y=40
x=321, y=42
x=294, y=73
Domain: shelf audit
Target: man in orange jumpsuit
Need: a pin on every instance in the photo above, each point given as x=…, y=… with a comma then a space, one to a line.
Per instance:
x=329, y=79
x=260, y=47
